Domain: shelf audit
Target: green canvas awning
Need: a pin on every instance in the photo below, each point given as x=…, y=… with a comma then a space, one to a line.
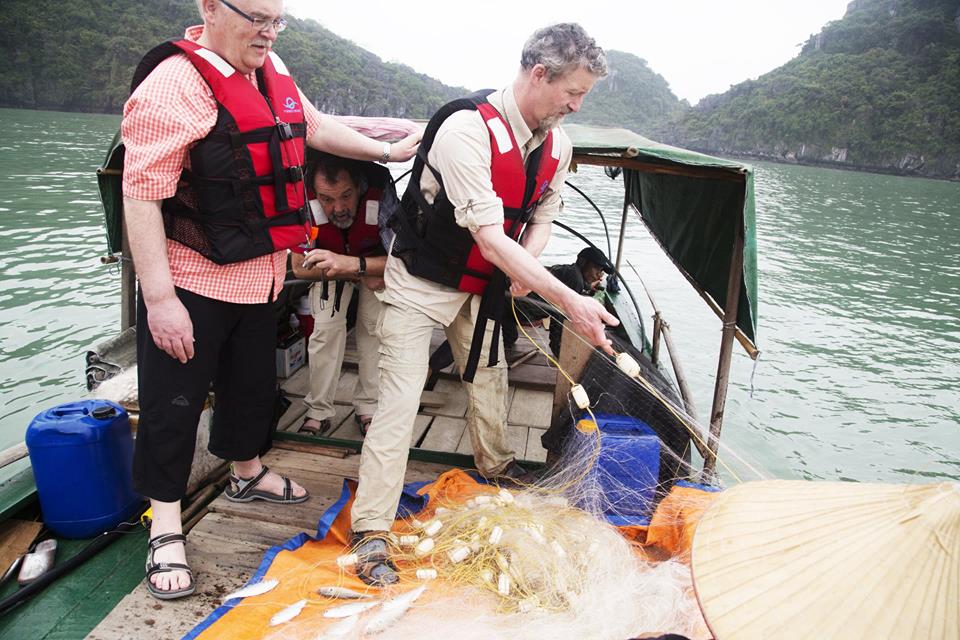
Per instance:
x=693, y=205
x=110, y=184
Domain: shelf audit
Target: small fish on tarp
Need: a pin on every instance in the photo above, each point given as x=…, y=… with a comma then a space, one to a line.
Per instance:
x=392, y=610
x=255, y=589
x=347, y=610
x=342, y=593
x=341, y=629
x=288, y=614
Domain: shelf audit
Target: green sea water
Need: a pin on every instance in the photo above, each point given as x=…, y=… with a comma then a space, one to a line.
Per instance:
x=859, y=306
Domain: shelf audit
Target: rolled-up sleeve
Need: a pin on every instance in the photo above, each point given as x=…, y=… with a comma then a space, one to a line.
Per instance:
x=461, y=154
x=166, y=114
x=310, y=114
x=551, y=204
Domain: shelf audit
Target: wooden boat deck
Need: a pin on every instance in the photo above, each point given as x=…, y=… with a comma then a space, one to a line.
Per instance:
x=227, y=545
x=441, y=424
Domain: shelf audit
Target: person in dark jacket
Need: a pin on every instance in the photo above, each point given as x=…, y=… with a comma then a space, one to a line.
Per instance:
x=585, y=276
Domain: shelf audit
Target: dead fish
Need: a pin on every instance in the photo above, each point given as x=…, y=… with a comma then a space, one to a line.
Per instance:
x=342, y=593
x=255, y=589
x=392, y=610
x=341, y=629
x=347, y=610
x=288, y=614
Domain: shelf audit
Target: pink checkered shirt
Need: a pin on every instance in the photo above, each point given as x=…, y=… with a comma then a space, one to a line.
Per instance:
x=168, y=113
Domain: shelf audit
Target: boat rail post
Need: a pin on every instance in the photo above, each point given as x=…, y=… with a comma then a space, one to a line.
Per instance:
x=128, y=282
x=623, y=229
x=657, y=330
x=726, y=349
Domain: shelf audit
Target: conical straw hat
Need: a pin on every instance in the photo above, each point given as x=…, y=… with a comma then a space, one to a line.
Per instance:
x=819, y=560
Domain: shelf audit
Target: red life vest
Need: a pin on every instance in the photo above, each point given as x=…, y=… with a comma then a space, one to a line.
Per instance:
x=509, y=177
x=430, y=242
x=243, y=195
x=362, y=238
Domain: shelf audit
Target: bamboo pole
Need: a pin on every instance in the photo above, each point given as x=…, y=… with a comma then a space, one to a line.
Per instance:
x=698, y=440
x=678, y=371
x=128, y=284
x=714, y=173
x=744, y=341
x=657, y=329
x=726, y=348
x=14, y=453
x=623, y=231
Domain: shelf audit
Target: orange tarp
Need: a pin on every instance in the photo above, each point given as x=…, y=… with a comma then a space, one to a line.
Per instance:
x=303, y=570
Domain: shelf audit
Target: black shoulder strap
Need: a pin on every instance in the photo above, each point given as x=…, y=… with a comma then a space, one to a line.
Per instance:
x=150, y=61
x=469, y=102
x=430, y=134
x=533, y=167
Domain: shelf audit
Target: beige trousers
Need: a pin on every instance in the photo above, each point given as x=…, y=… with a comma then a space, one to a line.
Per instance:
x=327, y=344
x=404, y=353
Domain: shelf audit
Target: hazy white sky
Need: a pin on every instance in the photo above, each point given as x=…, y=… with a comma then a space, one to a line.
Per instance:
x=699, y=46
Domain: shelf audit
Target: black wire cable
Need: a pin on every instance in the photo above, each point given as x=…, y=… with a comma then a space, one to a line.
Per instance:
x=606, y=230
x=96, y=545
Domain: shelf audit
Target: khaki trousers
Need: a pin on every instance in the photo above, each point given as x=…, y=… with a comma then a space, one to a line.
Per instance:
x=327, y=344
x=404, y=351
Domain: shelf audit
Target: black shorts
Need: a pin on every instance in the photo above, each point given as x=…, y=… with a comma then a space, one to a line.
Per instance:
x=234, y=350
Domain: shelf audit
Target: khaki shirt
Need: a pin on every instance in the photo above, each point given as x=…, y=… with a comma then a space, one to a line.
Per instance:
x=461, y=154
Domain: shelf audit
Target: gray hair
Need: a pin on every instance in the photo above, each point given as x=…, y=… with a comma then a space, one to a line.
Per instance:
x=562, y=48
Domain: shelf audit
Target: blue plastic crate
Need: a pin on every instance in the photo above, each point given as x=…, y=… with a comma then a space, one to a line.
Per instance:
x=628, y=468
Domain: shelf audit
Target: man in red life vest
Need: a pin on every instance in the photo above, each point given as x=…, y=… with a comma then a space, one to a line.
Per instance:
x=215, y=132
x=348, y=258
x=489, y=165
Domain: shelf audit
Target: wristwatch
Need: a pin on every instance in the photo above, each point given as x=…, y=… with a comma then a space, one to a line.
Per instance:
x=385, y=156
x=363, y=267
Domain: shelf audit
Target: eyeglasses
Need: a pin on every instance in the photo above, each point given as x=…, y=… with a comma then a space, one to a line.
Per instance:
x=260, y=24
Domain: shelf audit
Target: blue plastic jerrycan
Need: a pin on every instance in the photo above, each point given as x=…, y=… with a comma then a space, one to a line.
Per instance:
x=82, y=455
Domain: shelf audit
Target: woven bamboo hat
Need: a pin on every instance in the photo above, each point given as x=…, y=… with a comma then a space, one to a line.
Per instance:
x=798, y=560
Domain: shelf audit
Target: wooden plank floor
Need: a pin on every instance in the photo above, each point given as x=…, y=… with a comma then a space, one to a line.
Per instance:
x=226, y=547
x=444, y=428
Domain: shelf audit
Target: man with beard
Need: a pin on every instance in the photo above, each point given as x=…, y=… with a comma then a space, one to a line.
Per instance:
x=209, y=239
x=348, y=258
x=489, y=164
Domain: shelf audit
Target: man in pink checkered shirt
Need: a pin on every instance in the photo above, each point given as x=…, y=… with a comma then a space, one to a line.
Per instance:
x=204, y=320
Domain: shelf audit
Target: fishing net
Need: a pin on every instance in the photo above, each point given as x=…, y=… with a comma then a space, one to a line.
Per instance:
x=597, y=547
x=493, y=563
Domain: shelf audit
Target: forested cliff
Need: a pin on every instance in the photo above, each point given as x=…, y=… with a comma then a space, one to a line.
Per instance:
x=79, y=55
x=878, y=89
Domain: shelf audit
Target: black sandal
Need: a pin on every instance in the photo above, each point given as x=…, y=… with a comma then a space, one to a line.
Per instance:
x=153, y=568
x=374, y=566
x=244, y=490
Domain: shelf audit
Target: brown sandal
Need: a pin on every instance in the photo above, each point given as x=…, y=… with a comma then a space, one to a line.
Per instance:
x=315, y=430
x=363, y=422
